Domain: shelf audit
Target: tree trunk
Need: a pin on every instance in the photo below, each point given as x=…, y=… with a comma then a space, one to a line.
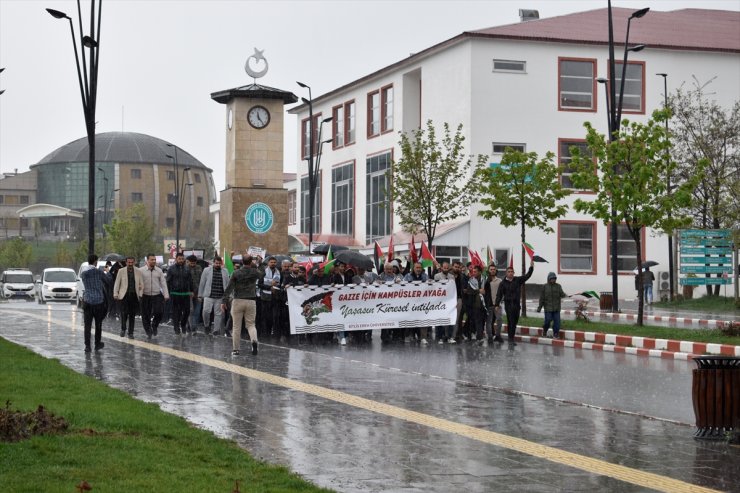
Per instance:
x=524, y=288
x=640, y=283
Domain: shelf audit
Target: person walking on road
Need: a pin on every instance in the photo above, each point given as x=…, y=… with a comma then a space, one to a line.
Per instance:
x=95, y=282
x=552, y=293
x=493, y=316
x=180, y=286
x=127, y=291
x=210, y=291
x=154, y=296
x=196, y=303
x=510, y=291
x=647, y=285
x=243, y=284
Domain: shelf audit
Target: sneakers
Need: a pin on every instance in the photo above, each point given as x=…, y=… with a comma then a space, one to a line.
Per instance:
x=123, y=333
x=100, y=346
x=131, y=336
x=254, y=347
x=498, y=339
x=154, y=331
x=440, y=341
x=87, y=349
x=451, y=340
x=424, y=342
x=343, y=342
x=235, y=352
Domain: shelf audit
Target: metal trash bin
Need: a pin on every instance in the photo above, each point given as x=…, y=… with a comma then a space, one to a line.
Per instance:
x=716, y=396
x=606, y=300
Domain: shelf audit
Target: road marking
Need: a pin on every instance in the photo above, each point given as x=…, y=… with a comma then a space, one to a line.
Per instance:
x=588, y=464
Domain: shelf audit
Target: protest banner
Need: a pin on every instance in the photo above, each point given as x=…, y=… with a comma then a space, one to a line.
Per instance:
x=372, y=306
x=256, y=252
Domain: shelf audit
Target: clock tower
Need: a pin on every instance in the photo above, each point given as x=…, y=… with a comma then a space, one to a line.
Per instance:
x=254, y=205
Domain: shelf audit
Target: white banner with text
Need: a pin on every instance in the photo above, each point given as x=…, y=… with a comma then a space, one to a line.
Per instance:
x=372, y=306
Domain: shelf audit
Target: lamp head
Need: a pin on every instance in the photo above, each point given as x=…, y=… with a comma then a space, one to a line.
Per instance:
x=601, y=80
x=306, y=101
x=2, y=91
x=302, y=85
x=662, y=74
x=88, y=42
x=327, y=119
x=640, y=13
x=1, y=69
x=637, y=48
x=169, y=156
x=186, y=169
x=57, y=14
x=327, y=141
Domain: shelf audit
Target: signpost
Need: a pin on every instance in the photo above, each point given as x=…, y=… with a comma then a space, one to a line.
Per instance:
x=704, y=252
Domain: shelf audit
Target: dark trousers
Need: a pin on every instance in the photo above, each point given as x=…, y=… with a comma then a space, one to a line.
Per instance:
x=97, y=313
x=269, y=315
x=284, y=320
x=151, y=312
x=512, y=318
x=553, y=317
x=129, y=306
x=180, y=312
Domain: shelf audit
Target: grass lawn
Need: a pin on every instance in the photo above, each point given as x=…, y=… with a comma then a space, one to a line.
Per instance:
x=717, y=304
x=696, y=335
x=115, y=442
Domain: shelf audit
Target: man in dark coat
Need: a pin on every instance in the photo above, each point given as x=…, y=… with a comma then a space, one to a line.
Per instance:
x=510, y=292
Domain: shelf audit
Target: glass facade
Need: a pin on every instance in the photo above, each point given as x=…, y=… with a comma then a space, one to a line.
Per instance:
x=66, y=185
x=378, y=204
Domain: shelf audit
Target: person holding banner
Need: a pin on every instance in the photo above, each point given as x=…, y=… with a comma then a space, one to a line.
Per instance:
x=510, y=291
x=389, y=275
x=339, y=278
x=243, y=285
x=417, y=274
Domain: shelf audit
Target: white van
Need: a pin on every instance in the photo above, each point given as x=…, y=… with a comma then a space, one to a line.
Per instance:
x=57, y=284
x=17, y=283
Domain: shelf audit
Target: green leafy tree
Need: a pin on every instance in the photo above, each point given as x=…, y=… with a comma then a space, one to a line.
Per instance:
x=702, y=130
x=523, y=191
x=433, y=181
x=132, y=232
x=62, y=256
x=631, y=177
x=15, y=252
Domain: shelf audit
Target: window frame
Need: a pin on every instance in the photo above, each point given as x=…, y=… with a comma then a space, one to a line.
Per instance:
x=319, y=191
x=509, y=71
x=368, y=194
x=337, y=131
x=561, y=141
x=200, y=201
x=292, y=207
x=594, y=100
x=169, y=222
x=507, y=144
x=137, y=197
x=384, y=105
x=641, y=111
x=305, y=150
x=136, y=173
x=350, y=123
x=609, y=250
x=594, y=248
x=371, y=114
x=352, y=189
x=169, y=175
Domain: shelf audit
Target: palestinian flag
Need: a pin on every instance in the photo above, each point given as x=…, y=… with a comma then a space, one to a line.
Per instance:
x=532, y=255
x=489, y=257
x=228, y=263
x=378, y=254
x=590, y=294
x=427, y=259
x=412, y=250
x=328, y=264
x=390, y=250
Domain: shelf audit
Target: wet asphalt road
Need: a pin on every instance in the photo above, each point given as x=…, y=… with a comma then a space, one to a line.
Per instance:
x=559, y=397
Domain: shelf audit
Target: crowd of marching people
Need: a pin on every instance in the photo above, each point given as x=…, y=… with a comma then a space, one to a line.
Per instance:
x=251, y=295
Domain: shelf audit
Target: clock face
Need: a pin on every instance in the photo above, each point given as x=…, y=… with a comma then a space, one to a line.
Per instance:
x=258, y=116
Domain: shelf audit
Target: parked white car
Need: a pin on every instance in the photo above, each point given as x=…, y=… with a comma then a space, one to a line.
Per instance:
x=57, y=284
x=17, y=283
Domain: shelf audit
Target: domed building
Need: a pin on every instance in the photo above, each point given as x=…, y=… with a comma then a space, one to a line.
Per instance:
x=133, y=168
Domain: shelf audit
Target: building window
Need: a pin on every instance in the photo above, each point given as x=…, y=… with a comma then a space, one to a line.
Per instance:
x=291, y=207
x=197, y=177
x=513, y=66
x=2, y=222
x=199, y=201
x=137, y=197
x=500, y=147
x=135, y=174
x=198, y=223
x=171, y=175
x=316, y=205
x=378, y=204
x=576, y=84
x=626, y=251
x=576, y=247
x=306, y=137
x=373, y=114
x=171, y=198
x=169, y=222
x=451, y=254
x=566, y=157
x=2, y=199
x=24, y=200
x=386, y=108
x=343, y=199
x=25, y=223
x=349, y=123
x=338, y=126
x=634, y=86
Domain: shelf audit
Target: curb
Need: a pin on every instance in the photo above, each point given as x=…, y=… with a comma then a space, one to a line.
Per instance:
x=654, y=318
x=639, y=346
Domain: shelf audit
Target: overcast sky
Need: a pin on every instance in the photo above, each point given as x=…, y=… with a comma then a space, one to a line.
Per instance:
x=161, y=59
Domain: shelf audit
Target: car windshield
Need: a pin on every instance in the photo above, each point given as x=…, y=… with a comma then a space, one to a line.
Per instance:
x=19, y=278
x=61, y=276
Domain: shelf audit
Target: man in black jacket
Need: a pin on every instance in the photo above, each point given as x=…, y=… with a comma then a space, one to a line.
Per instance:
x=180, y=286
x=510, y=291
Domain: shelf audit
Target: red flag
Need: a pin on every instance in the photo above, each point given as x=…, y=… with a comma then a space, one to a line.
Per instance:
x=390, y=250
x=378, y=257
x=308, y=265
x=427, y=259
x=412, y=250
x=475, y=259
x=511, y=261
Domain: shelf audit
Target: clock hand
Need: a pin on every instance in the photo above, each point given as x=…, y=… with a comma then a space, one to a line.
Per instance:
x=259, y=118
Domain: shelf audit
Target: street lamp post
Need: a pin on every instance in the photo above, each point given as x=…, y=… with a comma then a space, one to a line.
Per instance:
x=89, y=95
x=105, y=205
x=614, y=108
x=311, y=177
x=668, y=186
x=179, y=194
x=1, y=71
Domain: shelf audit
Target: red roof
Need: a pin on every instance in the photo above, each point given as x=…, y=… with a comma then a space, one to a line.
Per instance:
x=687, y=29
